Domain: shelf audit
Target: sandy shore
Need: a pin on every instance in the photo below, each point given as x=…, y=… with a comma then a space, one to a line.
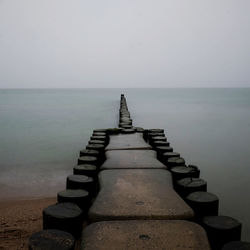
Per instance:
x=19, y=219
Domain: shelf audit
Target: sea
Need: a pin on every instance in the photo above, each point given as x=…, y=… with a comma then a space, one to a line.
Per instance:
x=43, y=130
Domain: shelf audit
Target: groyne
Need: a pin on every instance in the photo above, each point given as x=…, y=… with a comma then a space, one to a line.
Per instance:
x=131, y=190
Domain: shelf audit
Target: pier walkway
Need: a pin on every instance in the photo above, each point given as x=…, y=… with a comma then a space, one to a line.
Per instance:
x=131, y=191
x=137, y=206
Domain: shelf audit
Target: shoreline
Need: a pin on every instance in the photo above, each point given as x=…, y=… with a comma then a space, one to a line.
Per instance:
x=19, y=218
x=24, y=198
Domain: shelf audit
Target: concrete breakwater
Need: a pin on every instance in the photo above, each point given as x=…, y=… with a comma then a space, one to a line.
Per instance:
x=131, y=190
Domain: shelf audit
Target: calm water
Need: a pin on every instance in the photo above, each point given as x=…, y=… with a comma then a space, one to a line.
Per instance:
x=42, y=131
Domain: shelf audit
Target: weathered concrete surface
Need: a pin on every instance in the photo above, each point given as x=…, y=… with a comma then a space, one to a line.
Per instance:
x=126, y=159
x=127, y=141
x=153, y=234
x=129, y=194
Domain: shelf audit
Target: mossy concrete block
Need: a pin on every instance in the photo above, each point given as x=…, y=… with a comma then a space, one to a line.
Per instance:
x=125, y=119
x=79, y=197
x=189, y=185
x=126, y=126
x=156, y=130
x=150, y=135
x=153, y=235
x=98, y=137
x=81, y=182
x=51, y=239
x=159, y=138
x=221, y=230
x=162, y=149
x=99, y=134
x=139, y=129
x=125, y=122
x=97, y=142
x=113, y=131
x=127, y=141
x=124, y=112
x=181, y=172
x=203, y=203
x=237, y=245
x=167, y=155
x=128, y=130
x=98, y=147
x=128, y=194
x=89, y=152
x=85, y=169
x=127, y=159
x=160, y=143
x=99, y=130
x=87, y=160
x=64, y=216
x=174, y=161
x=196, y=170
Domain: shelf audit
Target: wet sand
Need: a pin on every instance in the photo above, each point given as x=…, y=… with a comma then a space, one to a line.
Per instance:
x=19, y=219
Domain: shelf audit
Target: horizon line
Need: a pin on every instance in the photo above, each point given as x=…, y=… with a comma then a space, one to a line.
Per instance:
x=9, y=88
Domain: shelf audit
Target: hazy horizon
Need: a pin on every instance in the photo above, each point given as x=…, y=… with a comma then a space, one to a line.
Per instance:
x=40, y=88
x=124, y=44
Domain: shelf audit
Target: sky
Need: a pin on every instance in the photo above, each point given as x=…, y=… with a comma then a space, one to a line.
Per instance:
x=124, y=43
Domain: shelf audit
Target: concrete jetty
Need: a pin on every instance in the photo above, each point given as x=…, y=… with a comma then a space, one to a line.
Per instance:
x=137, y=206
x=140, y=234
x=132, y=191
x=127, y=194
x=127, y=141
x=132, y=159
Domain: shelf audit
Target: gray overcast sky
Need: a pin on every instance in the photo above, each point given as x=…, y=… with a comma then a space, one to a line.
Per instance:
x=124, y=43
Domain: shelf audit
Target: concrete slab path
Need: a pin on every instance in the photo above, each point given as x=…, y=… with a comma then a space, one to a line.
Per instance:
x=132, y=159
x=127, y=141
x=153, y=234
x=130, y=194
